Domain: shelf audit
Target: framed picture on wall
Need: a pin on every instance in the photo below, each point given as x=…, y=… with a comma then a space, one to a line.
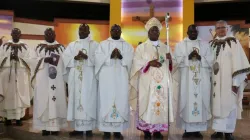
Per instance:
x=242, y=34
x=6, y=25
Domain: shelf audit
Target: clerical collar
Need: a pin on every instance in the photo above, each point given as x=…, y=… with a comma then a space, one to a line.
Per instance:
x=224, y=37
x=111, y=39
x=197, y=39
x=14, y=42
x=45, y=42
x=155, y=43
x=87, y=38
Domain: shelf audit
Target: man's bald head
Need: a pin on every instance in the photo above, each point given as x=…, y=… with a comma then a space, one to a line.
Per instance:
x=48, y=30
x=192, y=32
x=115, y=32
x=84, y=25
x=192, y=26
x=50, y=35
x=116, y=26
x=16, y=30
x=83, y=31
x=15, y=34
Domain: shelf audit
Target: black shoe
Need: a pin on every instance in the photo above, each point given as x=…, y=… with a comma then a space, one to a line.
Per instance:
x=107, y=135
x=187, y=135
x=118, y=135
x=55, y=133
x=157, y=135
x=89, y=133
x=147, y=135
x=7, y=122
x=229, y=136
x=197, y=135
x=19, y=123
x=45, y=133
x=217, y=135
x=76, y=133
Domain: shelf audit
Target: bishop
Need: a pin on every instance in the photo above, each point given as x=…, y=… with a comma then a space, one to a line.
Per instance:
x=151, y=84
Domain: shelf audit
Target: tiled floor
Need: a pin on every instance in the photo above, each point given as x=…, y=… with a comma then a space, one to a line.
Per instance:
x=242, y=130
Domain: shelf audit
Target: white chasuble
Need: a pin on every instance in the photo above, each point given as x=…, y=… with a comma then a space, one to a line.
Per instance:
x=231, y=67
x=15, y=87
x=82, y=85
x=152, y=88
x=193, y=78
x=113, y=76
x=50, y=109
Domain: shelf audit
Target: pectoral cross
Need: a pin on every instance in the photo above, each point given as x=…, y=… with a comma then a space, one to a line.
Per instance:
x=151, y=14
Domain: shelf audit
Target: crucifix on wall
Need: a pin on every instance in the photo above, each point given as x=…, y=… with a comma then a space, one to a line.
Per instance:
x=151, y=14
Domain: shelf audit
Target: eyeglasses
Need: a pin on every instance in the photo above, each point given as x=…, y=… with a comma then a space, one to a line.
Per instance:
x=218, y=28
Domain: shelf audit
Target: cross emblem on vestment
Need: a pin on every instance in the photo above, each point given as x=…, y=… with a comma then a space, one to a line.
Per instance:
x=54, y=98
x=214, y=95
x=195, y=95
x=151, y=14
x=53, y=87
x=214, y=83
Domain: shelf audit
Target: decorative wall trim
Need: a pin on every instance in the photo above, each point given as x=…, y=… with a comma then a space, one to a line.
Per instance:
x=7, y=12
x=33, y=21
x=32, y=37
x=61, y=20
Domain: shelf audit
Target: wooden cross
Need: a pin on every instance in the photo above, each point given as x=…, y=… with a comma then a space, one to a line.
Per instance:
x=151, y=14
x=53, y=87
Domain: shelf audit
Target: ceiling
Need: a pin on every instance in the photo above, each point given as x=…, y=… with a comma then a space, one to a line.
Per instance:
x=49, y=9
x=212, y=11
x=97, y=1
x=205, y=10
x=206, y=1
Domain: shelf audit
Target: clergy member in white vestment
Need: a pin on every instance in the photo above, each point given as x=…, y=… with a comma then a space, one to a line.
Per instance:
x=230, y=70
x=79, y=59
x=50, y=109
x=14, y=78
x=113, y=59
x=193, y=59
x=151, y=83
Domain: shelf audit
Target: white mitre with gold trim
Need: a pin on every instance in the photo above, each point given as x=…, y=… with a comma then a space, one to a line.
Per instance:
x=153, y=22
